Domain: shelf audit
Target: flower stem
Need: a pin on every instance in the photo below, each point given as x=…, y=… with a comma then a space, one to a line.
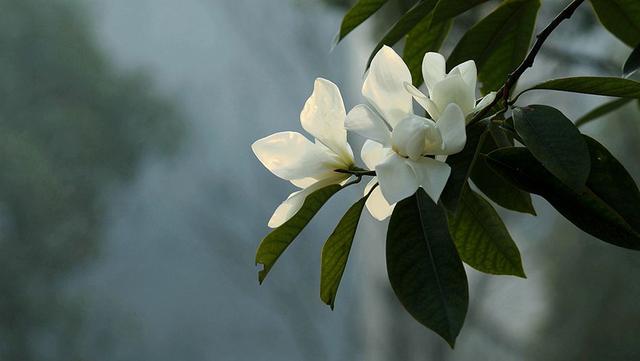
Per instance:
x=357, y=172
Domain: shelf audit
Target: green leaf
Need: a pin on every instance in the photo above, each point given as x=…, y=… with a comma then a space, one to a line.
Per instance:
x=500, y=136
x=406, y=23
x=602, y=110
x=555, y=141
x=424, y=268
x=426, y=36
x=608, y=207
x=607, y=86
x=621, y=18
x=275, y=243
x=496, y=188
x=482, y=238
x=499, y=42
x=360, y=12
x=447, y=9
x=633, y=62
x=335, y=252
x=461, y=164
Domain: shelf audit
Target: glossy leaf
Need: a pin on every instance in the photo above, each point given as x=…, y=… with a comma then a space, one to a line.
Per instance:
x=406, y=23
x=633, y=62
x=500, y=136
x=424, y=268
x=608, y=207
x=461, y=164
x=335, y=252
x=555, y=141
x=276, y=242
x=360, y=12
x=607, y=86
x=621, y=18
x=447, y=9
x=426, y=36
x=602, y=110
x=499, y=42
x=496, y=188
x=482, y=239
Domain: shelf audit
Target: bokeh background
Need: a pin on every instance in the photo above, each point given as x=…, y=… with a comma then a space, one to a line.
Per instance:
x=131, y=204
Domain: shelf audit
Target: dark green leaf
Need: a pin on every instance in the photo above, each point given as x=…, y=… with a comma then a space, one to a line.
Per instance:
x=360, y=12
x=335, y=252
x=633, y=62
x=406, y=23
x=555, y=141
x=602, y=110
x=426, y=36
x=607, y=86
x=621, y=18
x=482, y=238
x=498, y=189
x=613, y=184
x=500, y=136
x=607, y=208
x=280, y=238
x=424, y=268
x=447, y=9
x=461, y=164
x=499, y=42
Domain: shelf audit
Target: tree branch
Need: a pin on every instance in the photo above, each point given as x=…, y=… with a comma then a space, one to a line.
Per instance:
x=541, y=37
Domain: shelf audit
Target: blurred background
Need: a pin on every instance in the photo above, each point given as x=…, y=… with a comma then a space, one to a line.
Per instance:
x=131, y=204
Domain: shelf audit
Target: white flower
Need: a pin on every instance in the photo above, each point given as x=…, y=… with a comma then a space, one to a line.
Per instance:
x=458, y=86
x=309, y=166
x=401, y=143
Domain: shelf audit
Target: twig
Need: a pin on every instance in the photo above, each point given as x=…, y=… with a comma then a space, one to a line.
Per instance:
x=541, y=37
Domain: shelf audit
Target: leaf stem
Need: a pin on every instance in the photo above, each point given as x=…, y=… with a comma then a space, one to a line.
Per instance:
x=505, y=90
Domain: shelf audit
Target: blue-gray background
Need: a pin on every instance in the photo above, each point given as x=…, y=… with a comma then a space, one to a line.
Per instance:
x=131, y=205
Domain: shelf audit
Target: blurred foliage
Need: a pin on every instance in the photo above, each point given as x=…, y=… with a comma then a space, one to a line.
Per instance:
x=70, y=125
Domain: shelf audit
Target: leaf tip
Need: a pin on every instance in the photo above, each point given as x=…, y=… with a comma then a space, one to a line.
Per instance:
x=262, y=273
x=336, y=40
x=328, y=300
x=451, y=342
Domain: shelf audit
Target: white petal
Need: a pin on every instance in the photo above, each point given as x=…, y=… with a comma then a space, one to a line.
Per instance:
x=432, y=176
x=433, y=142
x=433, y=70
x=366, y=122
x=384, y=86
x=288, y=208
x=451, y=126
x=342, y=161
x=323, y=116
x=408, y=137
x=423, y=100
x=397, y=179
x=485, y=101
x=373, y=153
x=469, y=73
x=294, y=202
x=453, y=89
x=289, y=155
x=303, y=182
x=376, y=204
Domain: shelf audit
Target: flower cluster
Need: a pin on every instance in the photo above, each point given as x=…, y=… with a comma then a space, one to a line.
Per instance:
x=407, y=151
